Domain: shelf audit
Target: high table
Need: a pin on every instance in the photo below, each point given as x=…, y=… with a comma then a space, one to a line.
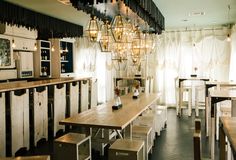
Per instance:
x=228, y=129
x=217, y=84
x=180, y=85
x=215, y=96
x=103, y=117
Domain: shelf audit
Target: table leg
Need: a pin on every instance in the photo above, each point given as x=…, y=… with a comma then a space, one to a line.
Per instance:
x=178, y=108
x=212, y=138
x=233, y=107
x=207, y=116
x=222, y=143
x=128, y=132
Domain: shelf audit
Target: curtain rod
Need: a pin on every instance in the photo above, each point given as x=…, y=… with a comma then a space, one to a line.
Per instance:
x=191, y=30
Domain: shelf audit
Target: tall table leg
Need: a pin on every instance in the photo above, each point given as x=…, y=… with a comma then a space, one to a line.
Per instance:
x=222, y=143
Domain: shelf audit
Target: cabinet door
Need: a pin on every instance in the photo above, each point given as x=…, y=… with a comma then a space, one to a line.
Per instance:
x=24, y=44
x=26, y=61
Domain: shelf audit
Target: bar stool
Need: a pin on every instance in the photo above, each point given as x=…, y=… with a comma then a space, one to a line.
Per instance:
x=143, y=133
x=186, y=101
x=126, y=149
x=72, y=146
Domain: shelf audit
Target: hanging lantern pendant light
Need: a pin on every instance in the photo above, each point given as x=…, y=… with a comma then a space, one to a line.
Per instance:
x=93, y=29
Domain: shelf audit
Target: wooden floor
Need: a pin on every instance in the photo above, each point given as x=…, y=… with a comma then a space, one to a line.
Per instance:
x=175, y=142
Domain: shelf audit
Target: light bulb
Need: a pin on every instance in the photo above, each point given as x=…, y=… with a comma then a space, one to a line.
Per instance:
x=228, y=38
x=13, y=43
x=53, y=49
x=35, y=47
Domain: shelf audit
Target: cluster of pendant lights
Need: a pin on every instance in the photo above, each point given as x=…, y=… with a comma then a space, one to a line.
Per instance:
x=121, y=37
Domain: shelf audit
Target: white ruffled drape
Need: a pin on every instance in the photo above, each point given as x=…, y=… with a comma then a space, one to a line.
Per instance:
x=90, y=61
x=178, y=53
x=232, y=75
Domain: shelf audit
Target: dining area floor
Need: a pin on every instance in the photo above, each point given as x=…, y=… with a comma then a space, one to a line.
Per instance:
x=176, y=140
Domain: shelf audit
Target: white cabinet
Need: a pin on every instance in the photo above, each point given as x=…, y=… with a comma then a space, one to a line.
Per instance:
x=42, y=59
x=24, y=44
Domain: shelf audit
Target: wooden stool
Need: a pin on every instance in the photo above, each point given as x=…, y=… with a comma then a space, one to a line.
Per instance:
x=72, y=146
x=143, y=133
x=125, y=149
x=146, y=121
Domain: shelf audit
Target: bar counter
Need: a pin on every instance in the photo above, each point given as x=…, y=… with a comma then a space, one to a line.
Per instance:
x=12, y=86
x=40, y=104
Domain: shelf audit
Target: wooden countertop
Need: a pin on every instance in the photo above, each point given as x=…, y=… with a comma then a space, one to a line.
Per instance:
x=103, y=116
x=220, y=83
x=229, y=126
x=25, y=85
x=222, y=93
x=27, y=158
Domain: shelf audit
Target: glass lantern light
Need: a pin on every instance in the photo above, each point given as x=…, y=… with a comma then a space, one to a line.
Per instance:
x=106, y=39
x=92, y=29
x=137, y=43
x=118, y=28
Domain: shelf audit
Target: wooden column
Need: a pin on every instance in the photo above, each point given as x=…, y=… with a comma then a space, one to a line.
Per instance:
x=74, y=98
x=2, y=125
x=84, y=95
x=40, y=113
x=19, y=106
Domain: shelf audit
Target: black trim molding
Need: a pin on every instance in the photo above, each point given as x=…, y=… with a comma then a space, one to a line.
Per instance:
x=146, y=9
x=16, y=15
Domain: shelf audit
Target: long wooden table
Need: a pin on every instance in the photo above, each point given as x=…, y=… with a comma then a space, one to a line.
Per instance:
x=104, y=117
x=227, y=129
x=216, y=96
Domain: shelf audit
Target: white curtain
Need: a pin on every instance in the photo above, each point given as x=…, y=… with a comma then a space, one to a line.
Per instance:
x=90, y=61
x=232, y=75
x=178, y=53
